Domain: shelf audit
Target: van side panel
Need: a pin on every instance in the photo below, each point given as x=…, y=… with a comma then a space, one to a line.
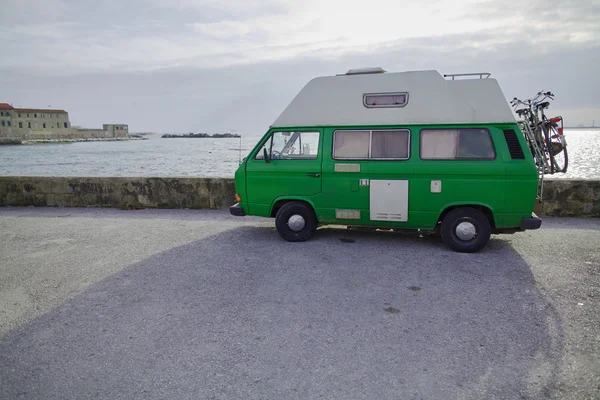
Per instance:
x=433, y=185
x=521, y=184
x=341, y=185
x=439, y=184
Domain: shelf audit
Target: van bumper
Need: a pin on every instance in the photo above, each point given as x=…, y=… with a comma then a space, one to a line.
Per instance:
x=531, y=223
x=237, y=210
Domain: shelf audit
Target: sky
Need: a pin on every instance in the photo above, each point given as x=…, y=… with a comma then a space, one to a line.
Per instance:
x=211, y=66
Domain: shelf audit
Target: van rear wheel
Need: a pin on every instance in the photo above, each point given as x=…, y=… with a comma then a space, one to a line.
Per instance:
x=295, y=221
x=466, y=230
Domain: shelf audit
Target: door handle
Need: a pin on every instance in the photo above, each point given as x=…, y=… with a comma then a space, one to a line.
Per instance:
x=314, y=175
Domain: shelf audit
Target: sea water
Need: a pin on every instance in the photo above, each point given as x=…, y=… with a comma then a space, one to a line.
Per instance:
x=204, y=157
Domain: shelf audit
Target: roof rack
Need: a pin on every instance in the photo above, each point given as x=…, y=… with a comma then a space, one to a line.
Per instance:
x=470, y=74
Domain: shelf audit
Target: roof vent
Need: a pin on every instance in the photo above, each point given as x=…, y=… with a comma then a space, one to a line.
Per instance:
x=370, y=70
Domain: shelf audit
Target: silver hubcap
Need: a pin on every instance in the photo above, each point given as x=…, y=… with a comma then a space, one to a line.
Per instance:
x=466, y=231
x=296, y=222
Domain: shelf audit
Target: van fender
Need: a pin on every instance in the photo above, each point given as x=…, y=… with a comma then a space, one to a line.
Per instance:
x=279, y=201
x=483, y=207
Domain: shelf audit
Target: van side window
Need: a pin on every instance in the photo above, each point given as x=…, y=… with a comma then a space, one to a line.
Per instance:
x=351, y=144
x=456, y=144
x=291, y=146
x=390, y=144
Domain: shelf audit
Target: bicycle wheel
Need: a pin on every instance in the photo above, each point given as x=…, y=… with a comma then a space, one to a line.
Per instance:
x=544, y=143
x=558, y=149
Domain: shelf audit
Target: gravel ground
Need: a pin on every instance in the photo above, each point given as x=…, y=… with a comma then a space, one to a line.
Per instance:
x=200, y=304
x=48, y=255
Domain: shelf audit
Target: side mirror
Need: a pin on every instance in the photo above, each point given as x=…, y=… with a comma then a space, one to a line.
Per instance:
x=265, y=155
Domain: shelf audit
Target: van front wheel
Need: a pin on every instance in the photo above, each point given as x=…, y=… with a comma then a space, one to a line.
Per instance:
x=295, y=221
x=466, y=230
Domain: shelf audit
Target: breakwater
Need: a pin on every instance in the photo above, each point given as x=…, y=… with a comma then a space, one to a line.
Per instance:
x=17, y=141
x=568, y=198
x=117, y=192
x=10, y=141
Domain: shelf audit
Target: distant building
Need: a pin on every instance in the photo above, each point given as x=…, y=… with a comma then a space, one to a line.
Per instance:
x=6, y=115
x=119, y=130
x=32, y=123
x=21, y=122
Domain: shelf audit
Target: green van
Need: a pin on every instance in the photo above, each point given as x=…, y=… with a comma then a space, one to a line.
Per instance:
x=405, y=150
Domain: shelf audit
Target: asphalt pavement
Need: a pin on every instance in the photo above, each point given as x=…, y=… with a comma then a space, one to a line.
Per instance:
x=149, y=304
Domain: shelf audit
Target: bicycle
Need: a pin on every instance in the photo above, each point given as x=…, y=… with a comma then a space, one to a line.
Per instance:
x=544, y=136
x=557, y=147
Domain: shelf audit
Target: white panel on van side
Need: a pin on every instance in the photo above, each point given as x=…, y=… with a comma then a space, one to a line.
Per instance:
x=347, y=167
x=389, y=200
x=347, y=214
x=436, y=186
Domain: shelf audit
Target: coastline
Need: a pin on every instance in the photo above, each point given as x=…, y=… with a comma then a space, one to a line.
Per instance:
x=17, y=142
x=200, y=135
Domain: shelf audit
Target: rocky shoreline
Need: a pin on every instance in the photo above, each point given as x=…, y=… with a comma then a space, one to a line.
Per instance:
x=10, y=141
x=17, y=141
x=201, y=135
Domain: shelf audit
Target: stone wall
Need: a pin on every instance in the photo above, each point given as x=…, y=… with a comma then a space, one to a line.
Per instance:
x=570, y=198
x=197, y=193
x=561, y=197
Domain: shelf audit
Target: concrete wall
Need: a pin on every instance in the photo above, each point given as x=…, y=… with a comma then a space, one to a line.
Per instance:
x=570, y=198
x=87, y=134
x=197, y=193
x=561, y=198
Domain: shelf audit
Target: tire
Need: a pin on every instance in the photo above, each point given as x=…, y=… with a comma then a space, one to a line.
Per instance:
x=547, y=149
x=558, y=153
x=304, y=216
x=478, y=222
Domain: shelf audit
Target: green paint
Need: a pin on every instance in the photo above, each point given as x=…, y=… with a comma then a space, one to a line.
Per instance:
x=506, y=187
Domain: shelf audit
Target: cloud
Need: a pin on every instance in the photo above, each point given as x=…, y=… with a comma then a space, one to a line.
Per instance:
x=185, y=65
x=147, y=34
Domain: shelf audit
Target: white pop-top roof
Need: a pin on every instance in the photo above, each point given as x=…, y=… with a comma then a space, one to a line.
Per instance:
x=432, y=99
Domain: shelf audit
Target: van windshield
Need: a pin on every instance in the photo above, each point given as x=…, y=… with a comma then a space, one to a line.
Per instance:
x=291, y=145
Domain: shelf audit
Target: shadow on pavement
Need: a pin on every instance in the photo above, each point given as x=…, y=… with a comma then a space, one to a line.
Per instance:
x=247, y=315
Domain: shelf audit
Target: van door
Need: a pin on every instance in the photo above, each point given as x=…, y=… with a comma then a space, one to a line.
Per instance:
x=366, y=176
x=287, y=165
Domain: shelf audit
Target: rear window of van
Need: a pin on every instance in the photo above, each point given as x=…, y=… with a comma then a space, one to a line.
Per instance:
x=456, y=144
